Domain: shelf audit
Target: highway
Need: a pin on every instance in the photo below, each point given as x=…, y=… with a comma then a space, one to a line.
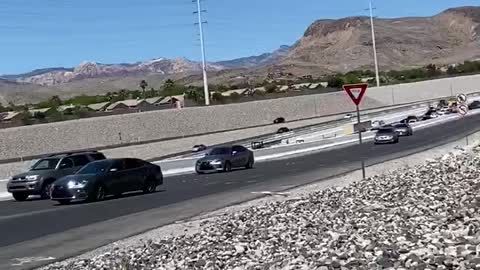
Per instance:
x=35, y=231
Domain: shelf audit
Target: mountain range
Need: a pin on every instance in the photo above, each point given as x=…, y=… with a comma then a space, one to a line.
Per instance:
x=326, y=46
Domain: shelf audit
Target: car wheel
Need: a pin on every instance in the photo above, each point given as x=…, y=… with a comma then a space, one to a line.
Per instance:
x=99, y=193
x=150, y=186
x=227, y=167
x=45, y=192
x=249, y=164
x=20, y=196
x=64, y=202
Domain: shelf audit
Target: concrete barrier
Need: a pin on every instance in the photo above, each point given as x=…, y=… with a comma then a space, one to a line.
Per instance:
x=167, y=124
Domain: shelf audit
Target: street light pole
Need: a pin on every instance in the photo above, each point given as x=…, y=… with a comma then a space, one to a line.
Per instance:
x=377, y=77
x=204, y=62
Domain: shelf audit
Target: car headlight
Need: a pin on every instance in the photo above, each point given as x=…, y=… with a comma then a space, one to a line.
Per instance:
x=216, y=162
x=31, y=177
x=77, y=184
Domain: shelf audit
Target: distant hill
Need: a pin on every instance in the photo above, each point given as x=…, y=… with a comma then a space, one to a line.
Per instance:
x=342, y=45
x=327, y=46
x=256, y=61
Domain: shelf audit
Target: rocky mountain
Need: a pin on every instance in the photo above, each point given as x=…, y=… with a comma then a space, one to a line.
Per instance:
x=342, y=45
x=88, y=70
x=327, y=46
x=258, y=60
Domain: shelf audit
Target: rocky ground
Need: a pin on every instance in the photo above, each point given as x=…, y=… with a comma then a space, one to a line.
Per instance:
x=423, y=217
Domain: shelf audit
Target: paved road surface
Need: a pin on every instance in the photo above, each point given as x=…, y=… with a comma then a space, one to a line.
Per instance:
x=43, y=229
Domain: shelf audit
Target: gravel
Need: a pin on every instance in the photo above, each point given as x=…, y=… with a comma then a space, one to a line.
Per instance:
x=422, y=217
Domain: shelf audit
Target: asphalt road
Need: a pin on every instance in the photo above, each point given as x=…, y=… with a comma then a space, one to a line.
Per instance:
x=42, y=229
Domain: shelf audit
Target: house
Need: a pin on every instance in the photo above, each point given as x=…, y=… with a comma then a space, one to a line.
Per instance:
x=66, y=108
x=11, y=117
x=99, y=107
x=154, y=100
x=366, y=79
x=283, y=88
x=43, y=110
x=238, y=91
x=172, y=100
x=301, y=86
x=129, y=104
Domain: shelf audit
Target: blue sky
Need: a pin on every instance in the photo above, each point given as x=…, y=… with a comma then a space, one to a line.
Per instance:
x=51, y=33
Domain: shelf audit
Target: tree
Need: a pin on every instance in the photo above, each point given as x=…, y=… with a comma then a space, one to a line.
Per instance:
x=123, y=94
x=170, y=88
x=452, y=70
x=218, y=97
x=168, y=85
x=39, y=115
x=335, y=82
x=143, y=85
x=235, y=96
x=271, y=88
x=351, y=78
x=432, y=70
x=152, y=93
x=55, y=101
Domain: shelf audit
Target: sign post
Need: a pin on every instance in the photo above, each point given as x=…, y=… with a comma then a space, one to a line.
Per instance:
x=356, y=93
x=463, y=108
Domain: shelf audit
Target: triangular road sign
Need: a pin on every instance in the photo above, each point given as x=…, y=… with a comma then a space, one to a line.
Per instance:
x=356, y=91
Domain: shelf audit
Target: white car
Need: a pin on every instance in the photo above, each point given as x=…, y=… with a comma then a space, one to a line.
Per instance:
x=444, y=110
x=348, y=116
x=378, y=123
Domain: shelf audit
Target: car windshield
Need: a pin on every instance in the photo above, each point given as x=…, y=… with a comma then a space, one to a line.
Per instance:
x=45, y=164
x=220, y=151
x=386, y=130
x=95, y=168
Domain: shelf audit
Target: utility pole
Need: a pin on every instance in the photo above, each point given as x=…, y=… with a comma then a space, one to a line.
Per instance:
x=202, y=46
x=377, y=77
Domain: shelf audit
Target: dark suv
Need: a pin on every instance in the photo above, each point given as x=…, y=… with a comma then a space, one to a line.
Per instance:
x=44, y=172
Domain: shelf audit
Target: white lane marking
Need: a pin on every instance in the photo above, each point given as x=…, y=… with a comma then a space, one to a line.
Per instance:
x=271, y=193
x=310, y=149
x=177, y=171
x=3, y=180
x=4, y=196
x=26, y=260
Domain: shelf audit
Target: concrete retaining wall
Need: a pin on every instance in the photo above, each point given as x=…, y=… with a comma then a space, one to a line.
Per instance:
x=130, y=128
x=411, y=92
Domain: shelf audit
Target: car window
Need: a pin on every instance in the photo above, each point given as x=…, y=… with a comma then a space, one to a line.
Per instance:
x=386, y=130
x=66, y=163
x=80, y=160
x=119, y=165
x=98, y=156
x=239, y=149
x=221, y=151
x=45, y=164
x=132, y=164
x=95, y=167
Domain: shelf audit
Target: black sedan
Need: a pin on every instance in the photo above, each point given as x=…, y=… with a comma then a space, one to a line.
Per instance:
x=386, y=135
x=224, y=159
x=99, y=179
